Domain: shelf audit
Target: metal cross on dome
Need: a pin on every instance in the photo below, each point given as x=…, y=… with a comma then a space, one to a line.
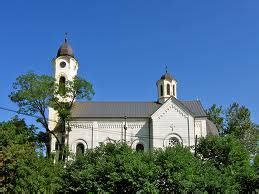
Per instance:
x=66, y=34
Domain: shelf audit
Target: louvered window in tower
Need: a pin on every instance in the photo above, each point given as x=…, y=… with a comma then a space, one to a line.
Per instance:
x=62, y=85
x=168, y=89
x=161, y=91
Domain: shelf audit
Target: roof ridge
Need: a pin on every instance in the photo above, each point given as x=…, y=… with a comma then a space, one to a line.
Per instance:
x=190, y=100
x=118, y=102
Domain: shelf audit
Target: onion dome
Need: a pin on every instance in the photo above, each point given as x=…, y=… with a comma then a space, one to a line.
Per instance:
x=167, y=76
x=65, y=50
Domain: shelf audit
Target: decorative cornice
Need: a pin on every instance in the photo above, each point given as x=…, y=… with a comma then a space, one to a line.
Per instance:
x=176, y=108
x=82, y=125
x=109, y=125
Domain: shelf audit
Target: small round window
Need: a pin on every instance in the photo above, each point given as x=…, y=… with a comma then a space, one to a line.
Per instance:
x=62, y=64
x=173, y=141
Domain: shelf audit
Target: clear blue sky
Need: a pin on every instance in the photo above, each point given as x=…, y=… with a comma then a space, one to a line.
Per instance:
x=211, y=47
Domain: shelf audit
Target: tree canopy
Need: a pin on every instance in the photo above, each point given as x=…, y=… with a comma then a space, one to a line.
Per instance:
x=25, y=169
x=235, y=120
x=221, y=165
x=34, y=94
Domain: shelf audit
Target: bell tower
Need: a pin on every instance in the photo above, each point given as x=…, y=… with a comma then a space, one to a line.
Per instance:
x=166, y=87
x=65, y=65
x=65, y=68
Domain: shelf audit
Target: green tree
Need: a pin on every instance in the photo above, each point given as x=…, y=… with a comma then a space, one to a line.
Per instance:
x=235, y=120
x=70, y=91
x=239, y=124
x=232, y=159
x=111, y=168
x=25, y=168
x=35, y=93
x=216, y=115
x=179, y=171
x=222, y=165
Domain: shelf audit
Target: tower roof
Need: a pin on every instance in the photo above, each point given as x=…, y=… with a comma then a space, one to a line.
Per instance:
x=65, y=50
x=167, y=76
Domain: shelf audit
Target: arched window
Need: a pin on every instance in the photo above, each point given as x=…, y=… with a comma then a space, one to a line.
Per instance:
x=62, y=83
x=173, y=90
x=139, y=147
x=80, y=148
x=173, y=141
x=168, y=89
x=161, y=90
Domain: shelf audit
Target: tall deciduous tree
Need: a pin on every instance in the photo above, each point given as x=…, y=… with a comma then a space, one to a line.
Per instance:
x=35, y=93
x=62, y=101
x=239, y=124
x=231, y=158
x=215, y=114
x=235, y=120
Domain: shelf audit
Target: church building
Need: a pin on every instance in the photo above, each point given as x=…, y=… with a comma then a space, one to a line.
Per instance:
x=166, y=121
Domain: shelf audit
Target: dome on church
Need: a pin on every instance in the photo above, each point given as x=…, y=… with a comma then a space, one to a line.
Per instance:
x=167, y=76
x=65, y=50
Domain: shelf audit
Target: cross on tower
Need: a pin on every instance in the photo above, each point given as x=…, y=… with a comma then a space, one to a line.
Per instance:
x=66, y=34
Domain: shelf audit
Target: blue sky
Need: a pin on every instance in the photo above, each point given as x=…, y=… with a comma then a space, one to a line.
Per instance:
x=211, y=47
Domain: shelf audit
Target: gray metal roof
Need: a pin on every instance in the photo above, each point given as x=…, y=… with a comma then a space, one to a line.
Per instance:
x=211, y=128
x=129, y=109
x=65, y=50
x=114, y=109
x=195, y=107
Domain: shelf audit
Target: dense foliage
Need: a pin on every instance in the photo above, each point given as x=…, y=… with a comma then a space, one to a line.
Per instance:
x=221, y=165
x=24, y=168
x=235, y=120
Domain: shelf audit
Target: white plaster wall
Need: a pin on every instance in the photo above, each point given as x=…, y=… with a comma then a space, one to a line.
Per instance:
x=200, y=127
x=53, y=119
x=192, y=130
x=171, y=120
x=95, y=131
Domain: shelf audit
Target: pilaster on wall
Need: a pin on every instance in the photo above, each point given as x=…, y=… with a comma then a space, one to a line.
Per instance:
x=200, y=127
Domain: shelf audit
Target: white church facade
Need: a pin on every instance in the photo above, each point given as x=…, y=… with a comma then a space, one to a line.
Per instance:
x=142, y=125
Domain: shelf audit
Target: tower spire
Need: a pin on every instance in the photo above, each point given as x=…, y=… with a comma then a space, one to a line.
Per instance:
x=66, y=34
x=65, y=49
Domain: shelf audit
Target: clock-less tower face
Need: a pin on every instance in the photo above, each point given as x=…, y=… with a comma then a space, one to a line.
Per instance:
x=65, y=66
